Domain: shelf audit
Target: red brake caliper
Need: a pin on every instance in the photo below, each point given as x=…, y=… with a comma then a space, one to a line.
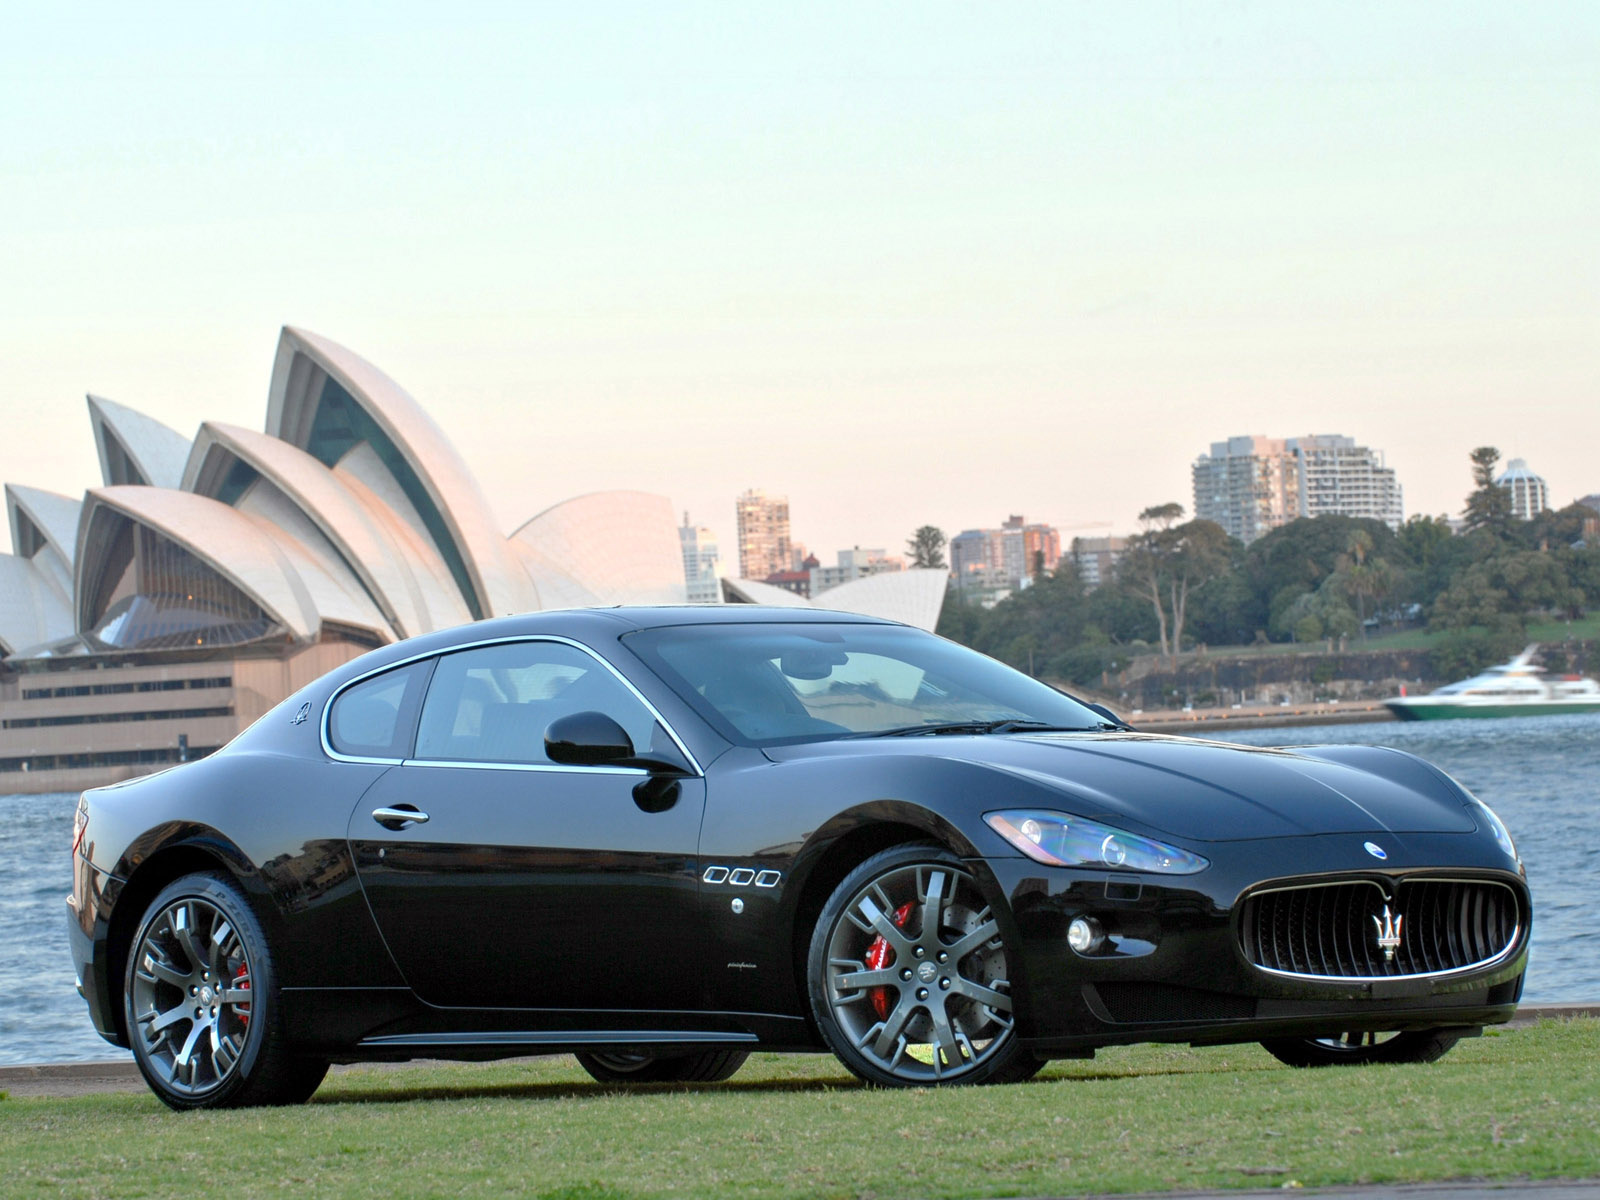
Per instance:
x=244, y=1009
x=879, y=956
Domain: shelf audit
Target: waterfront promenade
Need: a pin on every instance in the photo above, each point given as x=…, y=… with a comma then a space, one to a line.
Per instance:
x=1213, y=722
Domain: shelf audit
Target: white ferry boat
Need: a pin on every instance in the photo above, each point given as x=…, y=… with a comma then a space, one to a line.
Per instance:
x=1513, y=689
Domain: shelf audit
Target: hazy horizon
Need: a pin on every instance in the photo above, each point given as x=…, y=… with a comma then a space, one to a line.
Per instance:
x=905, y=266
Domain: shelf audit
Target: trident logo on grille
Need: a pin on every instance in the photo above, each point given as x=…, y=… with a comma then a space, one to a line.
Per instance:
x=1388, y=933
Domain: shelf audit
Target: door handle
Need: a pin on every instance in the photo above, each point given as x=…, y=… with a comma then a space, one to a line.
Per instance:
x=399, y=818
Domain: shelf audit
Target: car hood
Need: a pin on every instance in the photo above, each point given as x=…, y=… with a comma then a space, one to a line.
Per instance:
x=1206, y=791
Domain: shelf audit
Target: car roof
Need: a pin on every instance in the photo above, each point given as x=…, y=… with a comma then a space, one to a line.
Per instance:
x=591, y=623
x=653, y=616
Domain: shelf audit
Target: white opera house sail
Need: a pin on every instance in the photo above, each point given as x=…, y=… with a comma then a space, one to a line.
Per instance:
x=207, y=578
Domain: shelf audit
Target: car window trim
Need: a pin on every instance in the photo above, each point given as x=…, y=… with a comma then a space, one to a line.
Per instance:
x=491, y=765
x=327, y=710
x=412, y=717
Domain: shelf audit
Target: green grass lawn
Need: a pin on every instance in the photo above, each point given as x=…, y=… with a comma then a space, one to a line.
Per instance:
x=1522, y=1103
x=1586, y=628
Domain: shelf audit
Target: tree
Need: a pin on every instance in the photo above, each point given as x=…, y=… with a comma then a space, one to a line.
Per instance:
x=1498, y=593
x=1489, y=504
x=1430, y=554
x=1035, y=628
x=926, y=548
x=1302, y=557
x=1166, y=561
x=1363, y=576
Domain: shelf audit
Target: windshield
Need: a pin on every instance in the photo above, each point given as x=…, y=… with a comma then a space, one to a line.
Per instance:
x=768, y=684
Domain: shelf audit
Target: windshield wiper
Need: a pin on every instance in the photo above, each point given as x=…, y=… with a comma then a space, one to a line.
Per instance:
x=1008, y=725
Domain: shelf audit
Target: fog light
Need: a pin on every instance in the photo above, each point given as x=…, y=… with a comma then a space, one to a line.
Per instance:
x=1084, y=935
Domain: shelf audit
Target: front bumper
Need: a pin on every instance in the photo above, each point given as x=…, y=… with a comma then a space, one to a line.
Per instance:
x=1172, y=967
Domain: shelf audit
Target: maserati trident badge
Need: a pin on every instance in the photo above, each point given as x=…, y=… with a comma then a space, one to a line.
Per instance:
x=1388, y=933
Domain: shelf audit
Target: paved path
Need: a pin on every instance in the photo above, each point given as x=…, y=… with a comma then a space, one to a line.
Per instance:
x=1210, y=722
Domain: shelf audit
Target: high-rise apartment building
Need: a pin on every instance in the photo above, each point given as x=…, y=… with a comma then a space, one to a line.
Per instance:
x=1029, y=549
x=1015, y=552
x=854, y=564
x=1096, y=558
x=763, y=534
x=1338, y=476
x=1248, y=485
x=1252, y=485
x=700, y=560
x=973, y=550
x=1530, y=496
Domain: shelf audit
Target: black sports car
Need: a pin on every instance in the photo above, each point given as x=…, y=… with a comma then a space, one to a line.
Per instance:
x=658, y=838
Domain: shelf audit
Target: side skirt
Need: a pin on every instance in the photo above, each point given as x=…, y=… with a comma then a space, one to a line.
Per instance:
x=391, y=1023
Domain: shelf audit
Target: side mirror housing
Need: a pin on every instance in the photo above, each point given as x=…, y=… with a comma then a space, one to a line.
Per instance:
x=587, y=739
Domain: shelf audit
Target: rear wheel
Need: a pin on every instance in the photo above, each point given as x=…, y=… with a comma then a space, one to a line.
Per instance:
x=909, y=978
x=644, y=1066
x=202, y=1004
x=1353, y=1049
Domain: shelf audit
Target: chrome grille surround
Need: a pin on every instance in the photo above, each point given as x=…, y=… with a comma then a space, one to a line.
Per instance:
x=1327, y=932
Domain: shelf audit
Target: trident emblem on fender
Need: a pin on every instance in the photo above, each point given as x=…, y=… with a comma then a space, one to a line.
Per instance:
x=1388, y=933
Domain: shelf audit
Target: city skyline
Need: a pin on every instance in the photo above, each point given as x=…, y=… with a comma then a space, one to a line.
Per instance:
x=1033, y=262
x=727, y=529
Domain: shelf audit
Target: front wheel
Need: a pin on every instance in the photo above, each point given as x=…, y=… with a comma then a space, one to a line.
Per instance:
x=642, y=1066
x=909, y=978
x=1354, y=1049
x=202, y=1005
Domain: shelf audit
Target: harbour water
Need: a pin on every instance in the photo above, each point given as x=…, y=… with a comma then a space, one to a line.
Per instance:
x=1541, y=774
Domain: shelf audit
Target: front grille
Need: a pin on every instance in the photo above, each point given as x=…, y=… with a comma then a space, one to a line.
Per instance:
x=1332, y=930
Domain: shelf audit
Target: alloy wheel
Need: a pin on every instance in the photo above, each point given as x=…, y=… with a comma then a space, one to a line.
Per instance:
x=916, y=976
x=191, y=996
x=1355, y=1048
x=1354, y=1043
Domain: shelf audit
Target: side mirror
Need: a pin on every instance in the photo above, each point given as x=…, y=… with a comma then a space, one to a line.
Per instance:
x=587, y=739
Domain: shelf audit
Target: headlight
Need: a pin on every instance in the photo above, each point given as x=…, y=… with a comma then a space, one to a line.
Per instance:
x=1058, y=840
x=1487, y=816
x=1502, y=835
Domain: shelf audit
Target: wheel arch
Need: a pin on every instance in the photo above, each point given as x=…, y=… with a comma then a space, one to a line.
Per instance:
x=198, y=851
x=838, y=846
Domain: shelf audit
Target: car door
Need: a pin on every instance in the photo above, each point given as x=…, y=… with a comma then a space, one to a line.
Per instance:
x=522, y=883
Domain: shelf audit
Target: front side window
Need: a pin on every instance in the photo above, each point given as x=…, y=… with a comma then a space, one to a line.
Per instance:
x=768, y=684
x=493, y=704
x=374, y=718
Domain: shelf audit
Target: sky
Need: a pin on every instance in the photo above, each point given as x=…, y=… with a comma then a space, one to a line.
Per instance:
x=907, y=264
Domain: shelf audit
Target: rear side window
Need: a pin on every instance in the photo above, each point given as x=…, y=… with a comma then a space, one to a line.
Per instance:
x=376, y=717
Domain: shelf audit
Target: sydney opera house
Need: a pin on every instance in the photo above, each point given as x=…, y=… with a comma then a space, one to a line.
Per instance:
x=154, y=618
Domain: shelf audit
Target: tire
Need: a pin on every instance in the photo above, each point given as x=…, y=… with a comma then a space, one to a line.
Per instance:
x=202, y=1004
x=908, y=978
x=1354, y=1049
x=641, y=1066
